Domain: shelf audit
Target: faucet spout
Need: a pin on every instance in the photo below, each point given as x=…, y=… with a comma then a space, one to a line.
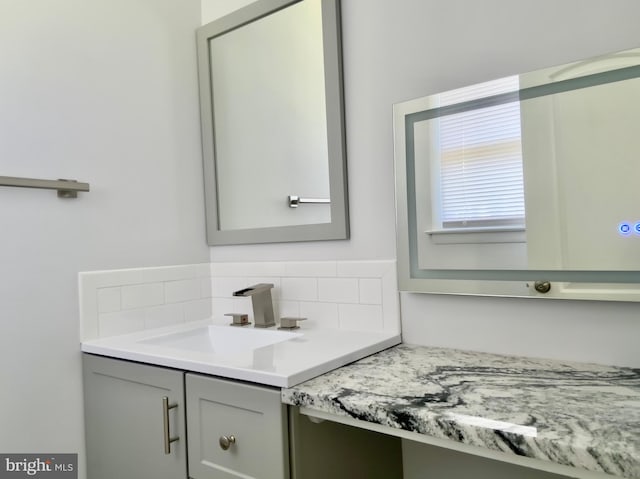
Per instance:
x=262, y=303
x=253, y=290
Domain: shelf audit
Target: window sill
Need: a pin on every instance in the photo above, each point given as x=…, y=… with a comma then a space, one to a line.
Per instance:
x=478, y=235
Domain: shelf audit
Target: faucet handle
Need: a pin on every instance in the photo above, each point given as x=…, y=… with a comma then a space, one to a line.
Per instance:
x=290, y=323
x=239, y=319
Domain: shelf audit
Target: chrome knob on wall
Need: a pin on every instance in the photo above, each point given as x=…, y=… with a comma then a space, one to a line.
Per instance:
x=542, y=286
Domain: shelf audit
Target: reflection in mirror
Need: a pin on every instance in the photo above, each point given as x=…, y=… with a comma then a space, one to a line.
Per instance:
x=524, y=178
x=272, y=117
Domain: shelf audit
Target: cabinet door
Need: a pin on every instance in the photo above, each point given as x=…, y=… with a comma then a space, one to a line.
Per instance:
x=253, y=415
x=124, y=420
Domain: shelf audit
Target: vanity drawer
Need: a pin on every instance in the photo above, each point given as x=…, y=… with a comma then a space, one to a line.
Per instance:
x=235, y=430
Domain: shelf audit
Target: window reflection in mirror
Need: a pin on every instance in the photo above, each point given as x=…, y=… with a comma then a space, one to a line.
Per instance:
x=478, y=162
x=529, y=177
x=470, y=154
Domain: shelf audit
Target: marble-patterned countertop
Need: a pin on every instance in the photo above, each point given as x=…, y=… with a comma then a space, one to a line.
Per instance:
x=581, y=415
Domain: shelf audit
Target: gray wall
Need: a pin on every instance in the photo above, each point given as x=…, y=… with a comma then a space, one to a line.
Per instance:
x=104, y=91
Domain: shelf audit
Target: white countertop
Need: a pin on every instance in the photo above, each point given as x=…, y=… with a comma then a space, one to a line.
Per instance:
x=284, y=364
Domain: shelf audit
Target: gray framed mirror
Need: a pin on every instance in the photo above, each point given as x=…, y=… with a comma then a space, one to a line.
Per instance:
x=524, y=186
x=272, y=114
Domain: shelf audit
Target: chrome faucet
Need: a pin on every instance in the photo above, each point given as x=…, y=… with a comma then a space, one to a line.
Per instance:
x=262, y=303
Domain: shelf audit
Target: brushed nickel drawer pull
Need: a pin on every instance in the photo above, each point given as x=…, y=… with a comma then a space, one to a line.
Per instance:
x=165, y=416
x=227, y=441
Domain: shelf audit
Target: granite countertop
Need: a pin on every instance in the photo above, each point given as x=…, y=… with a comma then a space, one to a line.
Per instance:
x=581, y=415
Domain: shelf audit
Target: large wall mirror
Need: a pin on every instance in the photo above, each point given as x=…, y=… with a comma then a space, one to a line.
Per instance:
x=272, y=123
x=524, y=186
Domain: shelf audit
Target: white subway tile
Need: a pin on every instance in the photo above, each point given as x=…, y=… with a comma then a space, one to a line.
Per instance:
x=205, y=287
x=88, y=297
x=222, y=306
x=203, y=269
x=165, y=315
x=109, y=300
x=286, y=308
x=338, y=290
x=364, y=269
x=347, y=294
x=183, y=290
x=116, y=277
x=311, y=269
x=361, y=317
x=370, y=291
x=121, y=322
x=114, y=290
x=320, y=315
x=275, y=268
x=299, y=289
x=197, y=310
x=225, y=286
x=391, y=317
x=391, y=302
x=142, y=295
x=227, y=269
x=170, y=273
x=248, y=269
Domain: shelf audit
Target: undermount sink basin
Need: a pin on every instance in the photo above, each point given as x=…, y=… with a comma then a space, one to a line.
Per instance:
x=222, y=340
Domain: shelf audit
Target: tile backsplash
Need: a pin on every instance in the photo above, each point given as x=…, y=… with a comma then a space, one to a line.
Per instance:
x=360, y=295
x=127, y=300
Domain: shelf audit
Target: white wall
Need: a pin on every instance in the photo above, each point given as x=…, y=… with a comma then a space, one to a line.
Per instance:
x=396, y=51
x=104, y=91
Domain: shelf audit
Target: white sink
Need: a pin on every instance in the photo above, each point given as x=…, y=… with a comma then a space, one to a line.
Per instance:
x=222, y=340
x=265, y=356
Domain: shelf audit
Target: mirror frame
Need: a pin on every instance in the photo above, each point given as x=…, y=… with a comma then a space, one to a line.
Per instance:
x=338, y=227
x=614, y=285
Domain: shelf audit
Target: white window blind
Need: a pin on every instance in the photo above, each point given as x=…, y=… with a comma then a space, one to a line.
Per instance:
x=480, y=150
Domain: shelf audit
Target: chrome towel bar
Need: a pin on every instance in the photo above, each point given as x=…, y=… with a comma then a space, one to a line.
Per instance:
x=294, y=201
x=66, y=188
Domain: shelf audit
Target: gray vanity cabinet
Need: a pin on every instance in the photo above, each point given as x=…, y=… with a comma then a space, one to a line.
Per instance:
x=137, y=417
x=124, y=420
x=235, y=430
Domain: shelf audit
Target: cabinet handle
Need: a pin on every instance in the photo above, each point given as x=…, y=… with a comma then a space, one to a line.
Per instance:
x=226, y=441
x=165, y=416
